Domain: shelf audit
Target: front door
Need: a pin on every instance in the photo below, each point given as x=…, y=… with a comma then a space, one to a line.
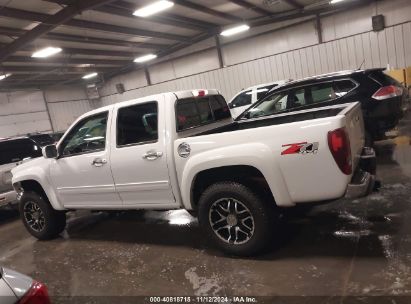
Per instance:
x=139, y=160
x=82, y=174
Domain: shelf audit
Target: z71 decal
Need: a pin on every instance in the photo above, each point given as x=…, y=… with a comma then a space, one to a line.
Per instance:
x=300, y=148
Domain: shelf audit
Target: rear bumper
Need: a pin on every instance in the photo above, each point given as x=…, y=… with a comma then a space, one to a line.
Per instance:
x=7, y=198
x=363, y=180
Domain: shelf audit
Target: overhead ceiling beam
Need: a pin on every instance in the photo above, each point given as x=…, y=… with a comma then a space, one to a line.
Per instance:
x=252, y=7
x=294, y=3
x=105, y=27
x=182, y=20
x=204, y=9
x=59, y=70
x=78, y=51
x=66, y=60
x=49, y=24
x=126, y=9
x=13, y=32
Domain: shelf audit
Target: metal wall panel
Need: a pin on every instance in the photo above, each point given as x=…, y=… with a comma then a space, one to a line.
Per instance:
x=64, y=113
x=23, y=112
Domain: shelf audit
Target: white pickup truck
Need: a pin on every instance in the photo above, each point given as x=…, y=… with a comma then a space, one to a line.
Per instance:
x=183, y=150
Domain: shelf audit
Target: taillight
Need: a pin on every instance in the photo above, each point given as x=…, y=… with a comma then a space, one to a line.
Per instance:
x=200, y=93
x=339, y=145
x=387, y=92
x=37, y=294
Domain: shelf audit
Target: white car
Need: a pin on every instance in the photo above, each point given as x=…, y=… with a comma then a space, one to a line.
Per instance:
x=182, y=150
x=244, y=99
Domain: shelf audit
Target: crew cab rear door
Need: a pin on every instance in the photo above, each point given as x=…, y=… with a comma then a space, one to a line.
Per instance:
x=138, y=154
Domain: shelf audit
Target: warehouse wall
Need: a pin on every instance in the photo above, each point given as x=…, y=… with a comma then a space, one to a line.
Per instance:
x=66, y=105
x=23, y=112
x=292, y=52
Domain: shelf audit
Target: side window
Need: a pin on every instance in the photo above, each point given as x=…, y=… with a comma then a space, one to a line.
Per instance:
x=261, y=92
x=343, y=87
x=88, y=135
x=241, y=100
x=297, y=98
x=323, y=92
x=137, y=124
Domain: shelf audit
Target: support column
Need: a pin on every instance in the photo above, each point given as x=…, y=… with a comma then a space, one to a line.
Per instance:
x=219, y=51
x=319, y=28
x=48, y=110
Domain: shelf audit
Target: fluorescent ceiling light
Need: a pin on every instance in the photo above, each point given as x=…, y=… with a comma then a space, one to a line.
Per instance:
x=335, y=1
x=46, y=52
x=145, y=58
x=91, y=75
x=4, y=76
x=153, y=8
x=235, y=30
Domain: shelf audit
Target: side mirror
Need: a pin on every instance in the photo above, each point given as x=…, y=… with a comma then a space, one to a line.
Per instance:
x=50, y=151
x=230, y=105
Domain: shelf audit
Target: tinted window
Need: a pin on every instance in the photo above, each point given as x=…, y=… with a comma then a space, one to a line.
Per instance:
x=322, y=92
x=271, y=104
x=87, y=136
x=297, y=98
x=261, y=92
x=242, y=100
x=12, y=151
x=343, y=87
x=137, y=124
x=193, y=112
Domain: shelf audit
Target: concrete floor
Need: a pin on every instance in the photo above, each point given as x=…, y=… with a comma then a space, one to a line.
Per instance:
x=347, y=248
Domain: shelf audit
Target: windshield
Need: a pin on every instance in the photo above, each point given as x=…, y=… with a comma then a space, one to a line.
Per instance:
x=268, y=106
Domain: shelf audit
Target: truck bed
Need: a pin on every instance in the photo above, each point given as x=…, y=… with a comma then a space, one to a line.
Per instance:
x=262, y=142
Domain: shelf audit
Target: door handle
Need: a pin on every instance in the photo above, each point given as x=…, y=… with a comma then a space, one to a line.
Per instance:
x=152, y=155
x=98, y=162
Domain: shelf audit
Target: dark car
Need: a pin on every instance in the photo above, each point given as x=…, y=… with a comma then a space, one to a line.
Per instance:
x=41, y=139
x=382, y=98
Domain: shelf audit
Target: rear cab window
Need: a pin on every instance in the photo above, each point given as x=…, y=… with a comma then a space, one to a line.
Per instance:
x=12, y=151
x=198, y=111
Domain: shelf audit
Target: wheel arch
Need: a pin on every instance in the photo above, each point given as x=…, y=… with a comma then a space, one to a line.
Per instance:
x=243, y=174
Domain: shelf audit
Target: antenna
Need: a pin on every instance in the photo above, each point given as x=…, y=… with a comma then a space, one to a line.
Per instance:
x=361, y=65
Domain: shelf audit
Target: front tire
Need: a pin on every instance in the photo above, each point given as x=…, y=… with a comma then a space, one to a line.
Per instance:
x=235, y=218
x=39, y=218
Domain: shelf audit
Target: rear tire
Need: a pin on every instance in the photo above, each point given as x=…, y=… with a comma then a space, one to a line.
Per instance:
x=39, y=217
x=237, y=220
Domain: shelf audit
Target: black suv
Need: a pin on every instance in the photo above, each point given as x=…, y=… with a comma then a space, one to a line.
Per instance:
x=382, y=98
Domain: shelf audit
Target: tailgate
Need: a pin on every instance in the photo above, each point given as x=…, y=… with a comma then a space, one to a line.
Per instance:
x=354, y=125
